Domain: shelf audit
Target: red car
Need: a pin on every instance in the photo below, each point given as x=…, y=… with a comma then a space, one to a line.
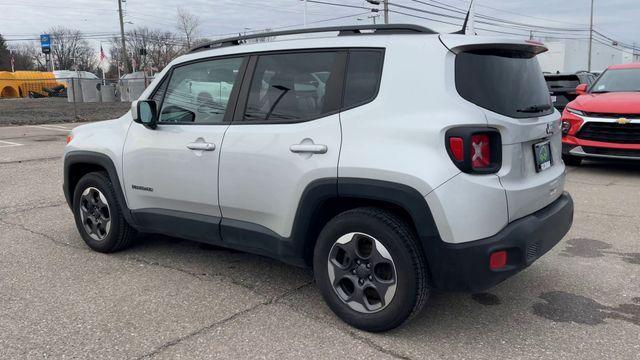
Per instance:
x=604, y=121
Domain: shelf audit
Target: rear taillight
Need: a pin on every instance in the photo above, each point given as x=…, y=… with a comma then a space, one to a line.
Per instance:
x=480, y=151
x=456, y=145
x=475, y=149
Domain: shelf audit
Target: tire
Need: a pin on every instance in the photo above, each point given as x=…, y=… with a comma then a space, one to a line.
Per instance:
x=571, y=160
x=115, y=233
x=333, y=258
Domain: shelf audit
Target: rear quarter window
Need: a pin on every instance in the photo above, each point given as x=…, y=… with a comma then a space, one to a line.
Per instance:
x=507, y=82
x=364, y=70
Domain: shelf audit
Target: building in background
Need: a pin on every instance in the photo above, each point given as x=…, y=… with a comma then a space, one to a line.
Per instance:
x=571, y=55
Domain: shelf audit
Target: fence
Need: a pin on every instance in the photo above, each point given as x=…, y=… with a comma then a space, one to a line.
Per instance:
x=69, y=98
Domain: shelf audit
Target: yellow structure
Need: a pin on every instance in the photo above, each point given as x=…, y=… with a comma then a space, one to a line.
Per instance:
x=19, y=83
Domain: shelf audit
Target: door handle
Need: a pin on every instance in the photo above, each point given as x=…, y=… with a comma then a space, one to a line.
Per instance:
x=308, y=149
x=203, y=146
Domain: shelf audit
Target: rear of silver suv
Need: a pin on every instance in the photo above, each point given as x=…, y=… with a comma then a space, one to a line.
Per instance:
x=390, y=164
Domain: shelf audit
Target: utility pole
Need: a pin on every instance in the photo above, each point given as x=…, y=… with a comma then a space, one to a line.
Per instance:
x=124, y=44
x=385, y=4
x=305, y=13
x=590, y=36
x=386, y=11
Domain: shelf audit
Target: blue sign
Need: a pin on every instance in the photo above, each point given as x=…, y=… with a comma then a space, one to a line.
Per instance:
x=45, y=43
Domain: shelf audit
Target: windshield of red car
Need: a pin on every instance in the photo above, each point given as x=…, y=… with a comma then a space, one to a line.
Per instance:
x=617, y=80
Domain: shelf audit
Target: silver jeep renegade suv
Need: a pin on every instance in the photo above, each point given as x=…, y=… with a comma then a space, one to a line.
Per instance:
x=389, y=159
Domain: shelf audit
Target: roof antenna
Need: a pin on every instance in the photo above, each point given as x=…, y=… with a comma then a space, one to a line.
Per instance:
x=463, y=31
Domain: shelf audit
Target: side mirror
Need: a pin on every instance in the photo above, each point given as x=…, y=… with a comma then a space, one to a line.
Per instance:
x=145, y=112
x=581, y=89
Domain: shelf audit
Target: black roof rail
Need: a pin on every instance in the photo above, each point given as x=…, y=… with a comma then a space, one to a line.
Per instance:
x=342, y=31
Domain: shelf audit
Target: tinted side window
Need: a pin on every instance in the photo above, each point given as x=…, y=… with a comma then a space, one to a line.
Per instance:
x=294, y=87
x=363, y=77
x=199, y=92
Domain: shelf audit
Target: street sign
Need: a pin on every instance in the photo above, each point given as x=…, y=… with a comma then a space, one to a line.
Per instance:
x=45, y=43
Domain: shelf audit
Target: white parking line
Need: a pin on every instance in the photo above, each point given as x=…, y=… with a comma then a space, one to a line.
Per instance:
x=8, y=144
x=51, y=127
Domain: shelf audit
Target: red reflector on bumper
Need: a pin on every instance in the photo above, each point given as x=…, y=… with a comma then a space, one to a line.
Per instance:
x=498, y=260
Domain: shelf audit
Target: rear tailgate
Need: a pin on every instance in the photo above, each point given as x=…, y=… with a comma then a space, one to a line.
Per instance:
x=504, y=78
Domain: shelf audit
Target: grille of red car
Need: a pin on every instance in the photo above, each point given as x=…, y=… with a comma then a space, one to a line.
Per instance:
x=612, y=116
x=610, y=132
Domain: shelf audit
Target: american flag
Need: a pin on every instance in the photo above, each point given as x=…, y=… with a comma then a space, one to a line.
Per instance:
x=103, y=56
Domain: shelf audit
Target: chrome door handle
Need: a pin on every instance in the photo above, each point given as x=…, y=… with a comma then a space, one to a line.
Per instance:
x=308, y=149
x=204, y=146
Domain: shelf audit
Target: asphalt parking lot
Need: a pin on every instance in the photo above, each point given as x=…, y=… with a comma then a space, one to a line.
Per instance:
x=169, y=298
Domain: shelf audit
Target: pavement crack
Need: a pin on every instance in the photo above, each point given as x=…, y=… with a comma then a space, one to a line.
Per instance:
x=375, y=346
x=223, y=322
x=31, y=160
x=23, y=208
x=46, y=236
x=607, y=214
x=202, y=330
x=349, y=331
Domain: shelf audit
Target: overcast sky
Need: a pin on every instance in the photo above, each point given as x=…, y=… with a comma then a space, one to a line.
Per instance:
x=618, y=19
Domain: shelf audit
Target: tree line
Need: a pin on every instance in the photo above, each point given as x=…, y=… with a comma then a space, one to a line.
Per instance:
x=147, y=49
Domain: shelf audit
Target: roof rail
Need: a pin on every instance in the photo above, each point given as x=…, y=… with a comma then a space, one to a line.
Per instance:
x=342, y=31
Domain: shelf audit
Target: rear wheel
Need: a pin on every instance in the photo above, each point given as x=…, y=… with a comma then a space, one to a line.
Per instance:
x=98, y=214
x=370, y=269
x=571, y=160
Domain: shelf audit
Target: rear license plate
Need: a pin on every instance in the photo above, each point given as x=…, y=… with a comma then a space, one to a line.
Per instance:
x=554, y=98
x=542, y=155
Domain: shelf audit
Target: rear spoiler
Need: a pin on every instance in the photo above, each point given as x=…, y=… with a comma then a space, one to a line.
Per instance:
x=461, y=43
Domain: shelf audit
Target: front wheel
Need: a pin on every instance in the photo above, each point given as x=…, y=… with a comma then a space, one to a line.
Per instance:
x=98, y=214
x=370, y=269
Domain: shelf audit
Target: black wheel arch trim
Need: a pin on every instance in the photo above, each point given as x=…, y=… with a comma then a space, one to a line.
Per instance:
x=340, y=192
x=92, y=158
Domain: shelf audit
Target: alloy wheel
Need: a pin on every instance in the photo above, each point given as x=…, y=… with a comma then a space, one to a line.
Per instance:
x=362, y=272
x=95, y=213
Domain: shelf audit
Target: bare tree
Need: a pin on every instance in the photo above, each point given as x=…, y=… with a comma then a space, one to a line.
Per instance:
x=150, y=49
x=187, y=26
x=70, y=50
x=29, y=57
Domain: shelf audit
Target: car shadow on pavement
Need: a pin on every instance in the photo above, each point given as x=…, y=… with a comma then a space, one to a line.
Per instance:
x=613, y=167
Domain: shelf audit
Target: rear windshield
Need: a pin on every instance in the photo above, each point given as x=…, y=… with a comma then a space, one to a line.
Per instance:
x=508, y=82
x=563, y=83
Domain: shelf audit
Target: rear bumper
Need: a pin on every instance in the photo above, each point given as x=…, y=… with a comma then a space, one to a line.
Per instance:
x=572, y=145
x=465, y=267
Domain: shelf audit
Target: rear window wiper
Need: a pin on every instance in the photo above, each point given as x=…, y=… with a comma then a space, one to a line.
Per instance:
x=535, y=108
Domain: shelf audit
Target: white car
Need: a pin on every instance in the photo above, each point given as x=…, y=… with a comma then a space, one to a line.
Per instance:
x=390, y=159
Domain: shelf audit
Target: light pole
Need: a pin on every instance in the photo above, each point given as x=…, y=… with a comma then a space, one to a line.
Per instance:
x=590, y=37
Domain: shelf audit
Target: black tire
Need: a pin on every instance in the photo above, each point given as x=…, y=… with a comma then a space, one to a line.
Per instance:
x=120, y=234
x=412, y=283
x=571, y=160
